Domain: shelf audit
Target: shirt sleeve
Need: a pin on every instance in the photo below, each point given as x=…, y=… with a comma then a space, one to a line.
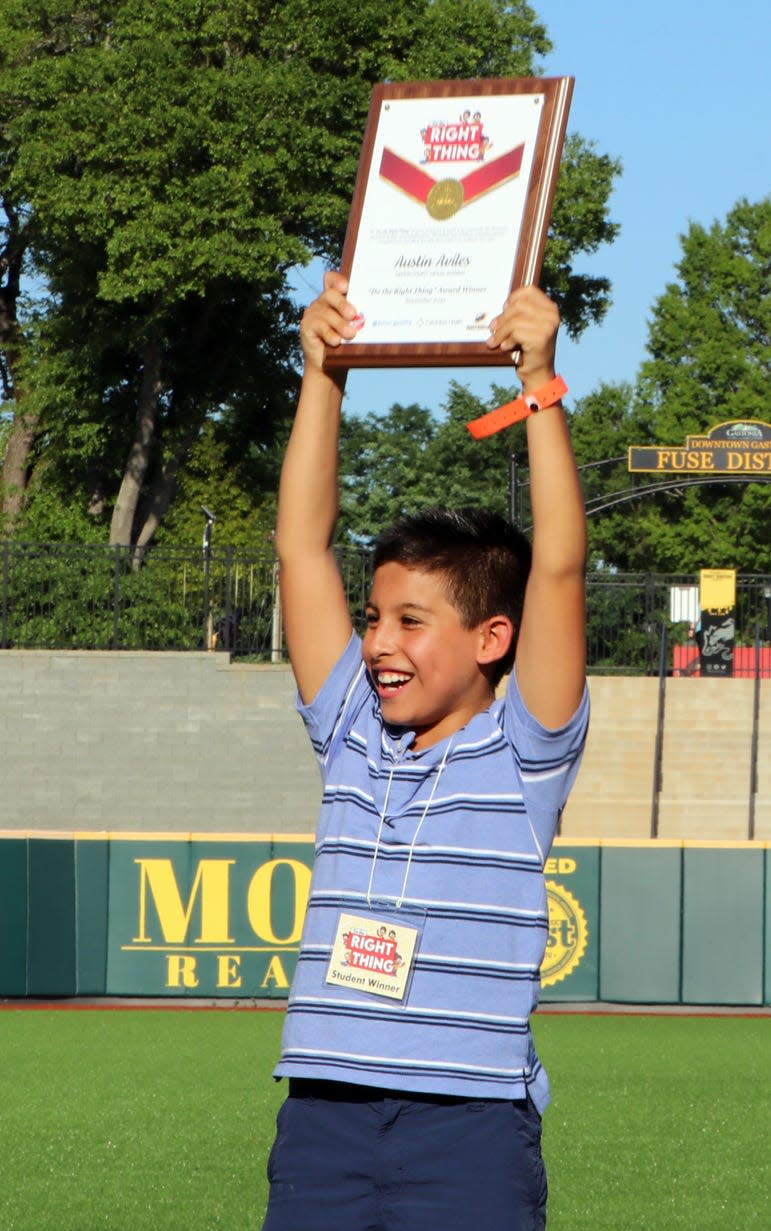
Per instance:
x=330, y=713
x=548, y=760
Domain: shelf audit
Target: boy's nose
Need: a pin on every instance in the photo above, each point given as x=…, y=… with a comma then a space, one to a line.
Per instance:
x=381, y=640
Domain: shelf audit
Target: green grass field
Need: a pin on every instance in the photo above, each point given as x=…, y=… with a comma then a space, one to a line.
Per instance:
x=161, y=1121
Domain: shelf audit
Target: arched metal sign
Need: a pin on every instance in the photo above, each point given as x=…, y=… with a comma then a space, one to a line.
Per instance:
x=737, y=448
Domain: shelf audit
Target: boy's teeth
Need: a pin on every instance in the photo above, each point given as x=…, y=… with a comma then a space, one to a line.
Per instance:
x=391, y=677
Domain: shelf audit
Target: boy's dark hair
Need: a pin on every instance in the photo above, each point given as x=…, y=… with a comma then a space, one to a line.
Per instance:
x=484, y=560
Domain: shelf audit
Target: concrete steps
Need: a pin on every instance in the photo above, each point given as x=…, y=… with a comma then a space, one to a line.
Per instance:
x=612, y=795
x=706, y=758
x=763, y=796
x=706, y=763
x=191, y=743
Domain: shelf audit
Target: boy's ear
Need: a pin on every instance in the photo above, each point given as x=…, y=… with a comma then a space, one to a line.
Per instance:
x=495, y=637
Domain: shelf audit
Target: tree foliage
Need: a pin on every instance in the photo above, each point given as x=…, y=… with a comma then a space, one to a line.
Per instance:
x=407, y=459
x=710, y=354
x=709, y=348
x=710, y=335
x=163, y=167
x=709, y=361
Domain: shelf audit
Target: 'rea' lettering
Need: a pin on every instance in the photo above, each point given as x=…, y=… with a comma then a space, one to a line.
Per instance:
x=228, y=970
x=180, y=970
x=275, y=975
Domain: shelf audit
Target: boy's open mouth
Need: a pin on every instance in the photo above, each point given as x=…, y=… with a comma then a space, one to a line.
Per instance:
x=389, y=683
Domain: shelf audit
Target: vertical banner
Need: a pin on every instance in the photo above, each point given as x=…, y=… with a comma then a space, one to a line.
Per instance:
x=570, y=968
x=717, y=631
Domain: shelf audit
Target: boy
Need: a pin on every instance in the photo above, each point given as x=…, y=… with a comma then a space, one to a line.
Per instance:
x=415, y=1092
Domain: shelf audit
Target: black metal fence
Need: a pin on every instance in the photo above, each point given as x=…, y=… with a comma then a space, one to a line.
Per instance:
x=94, y=597
x=630, y=617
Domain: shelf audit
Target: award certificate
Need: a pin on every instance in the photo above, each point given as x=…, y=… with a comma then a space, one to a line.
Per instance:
x=450, y=213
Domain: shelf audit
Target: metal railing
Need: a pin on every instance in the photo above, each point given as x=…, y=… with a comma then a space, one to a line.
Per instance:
x=756, y=672
x=94, y=597
x=626, y=613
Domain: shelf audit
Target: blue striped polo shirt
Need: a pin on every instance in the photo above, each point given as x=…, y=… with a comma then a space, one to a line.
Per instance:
x=468, y=822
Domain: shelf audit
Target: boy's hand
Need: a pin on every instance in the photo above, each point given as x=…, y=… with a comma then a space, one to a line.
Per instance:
x=328, y=321
x=528, y=323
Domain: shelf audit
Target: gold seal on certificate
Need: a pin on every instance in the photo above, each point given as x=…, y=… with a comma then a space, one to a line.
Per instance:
x=450, y=213
x=444, y=199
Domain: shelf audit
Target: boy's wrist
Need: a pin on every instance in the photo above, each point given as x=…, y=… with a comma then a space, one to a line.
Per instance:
x=318, y=378
x=538, y=379
x=528, y=403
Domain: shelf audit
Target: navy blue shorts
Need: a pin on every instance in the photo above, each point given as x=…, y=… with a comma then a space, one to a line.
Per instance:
x=356, y=1158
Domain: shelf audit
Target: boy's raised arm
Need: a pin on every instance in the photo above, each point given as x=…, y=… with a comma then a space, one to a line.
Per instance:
x=551, y=649
x=317, y=622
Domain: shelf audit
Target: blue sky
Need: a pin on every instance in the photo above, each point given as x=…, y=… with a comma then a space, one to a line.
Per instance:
x=679, y=91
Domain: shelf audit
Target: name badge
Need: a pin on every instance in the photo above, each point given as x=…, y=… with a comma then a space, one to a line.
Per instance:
x=373, y=954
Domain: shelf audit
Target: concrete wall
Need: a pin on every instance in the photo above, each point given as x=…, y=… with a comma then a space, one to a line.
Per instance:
x=190, y=743
x=612, y=795
x=167, y=741
x=706, y=761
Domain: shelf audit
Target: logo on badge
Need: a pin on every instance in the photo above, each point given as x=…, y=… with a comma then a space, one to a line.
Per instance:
x=373, y=952
x=568, y=934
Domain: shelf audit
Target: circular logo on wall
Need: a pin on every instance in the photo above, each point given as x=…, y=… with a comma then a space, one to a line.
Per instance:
x=568, y=934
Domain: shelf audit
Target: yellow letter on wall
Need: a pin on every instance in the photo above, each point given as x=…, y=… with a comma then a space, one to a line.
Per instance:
x=212, y=880
x=275, y=973
x=180, y=971
x=259, y=900
x=228, y=967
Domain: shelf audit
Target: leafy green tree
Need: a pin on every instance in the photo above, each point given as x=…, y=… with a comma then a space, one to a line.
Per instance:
x=710, y=356
x=383, y=463
x=163, y=167
x=709, y=349
x=211, y=480
x=603, y=426
x=709, y=340
x=407, y=459
x=708, y=362
x=468, y=471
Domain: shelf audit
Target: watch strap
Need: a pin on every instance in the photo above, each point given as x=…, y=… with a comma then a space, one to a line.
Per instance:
x=512, y=412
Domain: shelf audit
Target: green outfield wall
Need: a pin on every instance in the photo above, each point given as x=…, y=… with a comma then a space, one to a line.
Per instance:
x=215, y=916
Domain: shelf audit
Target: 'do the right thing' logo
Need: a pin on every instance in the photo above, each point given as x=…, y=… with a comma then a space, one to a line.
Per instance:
x=568, y=934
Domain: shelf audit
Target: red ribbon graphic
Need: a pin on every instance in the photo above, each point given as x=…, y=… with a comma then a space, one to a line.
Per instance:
x=417, y=183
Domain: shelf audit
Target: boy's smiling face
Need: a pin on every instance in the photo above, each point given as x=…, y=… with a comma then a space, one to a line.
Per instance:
x=425, y=665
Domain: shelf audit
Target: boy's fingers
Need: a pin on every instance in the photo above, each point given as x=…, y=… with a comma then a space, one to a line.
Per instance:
x=508, y=331
x=326, y=323
x=333, y=281
x=528, y=322
x=337, y=301
x=335, y=294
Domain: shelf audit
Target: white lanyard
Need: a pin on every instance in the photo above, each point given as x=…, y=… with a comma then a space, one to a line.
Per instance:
x=400, y=900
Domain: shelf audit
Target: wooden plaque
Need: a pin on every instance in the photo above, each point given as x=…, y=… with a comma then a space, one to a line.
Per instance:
x=450, y=213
